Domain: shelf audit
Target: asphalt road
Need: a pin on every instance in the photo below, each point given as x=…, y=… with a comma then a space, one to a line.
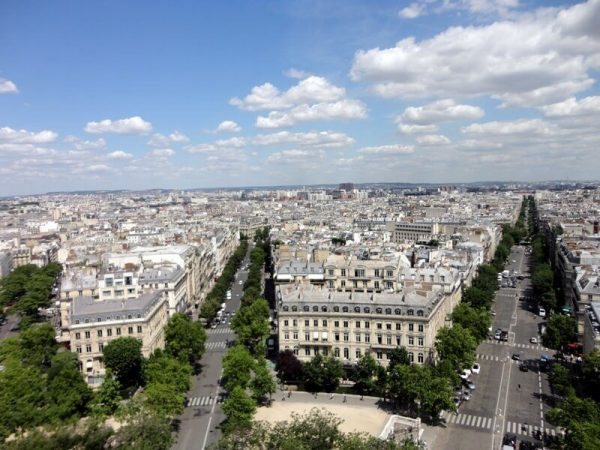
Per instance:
x=10, y=328
x=506, y=399
x=199, y=423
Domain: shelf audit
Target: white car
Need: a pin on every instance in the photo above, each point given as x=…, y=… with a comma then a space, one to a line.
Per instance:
x=533, y=340
x=476, y=368
x=465, y=374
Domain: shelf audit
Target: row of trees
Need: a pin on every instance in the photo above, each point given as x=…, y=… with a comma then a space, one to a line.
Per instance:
x=42, y=385
x=218, y=293
x=27, y=289
x=246, y=375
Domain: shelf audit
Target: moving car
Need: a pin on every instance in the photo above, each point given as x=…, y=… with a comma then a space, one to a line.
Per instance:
x=516, y=356
x=476, y=368
x=523, y=367
x=533, y=340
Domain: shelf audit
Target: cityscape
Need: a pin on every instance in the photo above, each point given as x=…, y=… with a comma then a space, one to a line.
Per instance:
x=300, y=225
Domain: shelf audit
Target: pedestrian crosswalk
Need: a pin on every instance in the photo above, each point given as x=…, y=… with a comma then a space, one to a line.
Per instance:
x=220, y=330
x=525, y=346
x=215, y=345
x=528, y=430
x=205, y=400
x=487, y=357
x=468, y=420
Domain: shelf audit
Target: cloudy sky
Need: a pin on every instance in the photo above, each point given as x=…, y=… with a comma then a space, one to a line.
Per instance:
x=184, y=94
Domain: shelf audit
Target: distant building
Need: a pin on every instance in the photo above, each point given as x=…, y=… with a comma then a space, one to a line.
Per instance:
x=591, y=333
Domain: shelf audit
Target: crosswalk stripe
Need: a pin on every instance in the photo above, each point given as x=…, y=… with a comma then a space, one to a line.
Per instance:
x=478, y=421
x=489, y=422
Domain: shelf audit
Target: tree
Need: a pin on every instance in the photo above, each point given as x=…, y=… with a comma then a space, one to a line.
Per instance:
x=456, y=345
x=580, y=418
x=184, y=338
x=591, y=373
x=162, y=368
x=38, y=344
x=144, y=431
x=364, y=373
x=477, y=297
x=107, y=397
x=560, y=331
x=560, y=380
x=435, y=395
x=403, y=384
x=322, y=374
x=68, y=394
x=239, y=409
x=163, y=400
x=237, y=367
x=289, y=368
x=263, y=383
x=398, y=356
x=251, y=325
x=476, y=320
x=124, y=357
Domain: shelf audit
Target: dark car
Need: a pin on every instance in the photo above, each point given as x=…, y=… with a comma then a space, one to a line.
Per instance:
x=523, y=367
x=516, y=356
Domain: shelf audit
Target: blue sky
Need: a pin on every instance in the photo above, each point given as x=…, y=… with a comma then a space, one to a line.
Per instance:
x=184, y=94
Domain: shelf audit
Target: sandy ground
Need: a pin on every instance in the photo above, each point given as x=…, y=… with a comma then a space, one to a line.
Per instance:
x=355, y=418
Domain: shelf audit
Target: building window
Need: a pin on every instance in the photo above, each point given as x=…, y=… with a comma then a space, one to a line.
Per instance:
x=87, y=334
x=411, y=340
x=411, y=357
x=359, y=273
x=388, y=326
x=377, y=272
x=130, y=330
x=345, y=324
x=315, y=308
x=379, y=326
x=307, y=336
x=398, y=326
x=100, y=347
x=118, y=332
x=336, y=323
x=79, y=349
x=286, y=323
x=398, y=340
x=376, y=285
x=337, y=337
x=411, y=327
x=109, y=331
x=324, y=322
x=295, y=335
x=77, y=335
x=410, y=312
x=389, y=340
x=336, y=309
x=307, y=323
x=420, y=328
x=358, y=355
x=420, y=340
x=379, y=355
x=379, y=339
x=342, y=284
x=345, y=309
x=99, y=333
x=390, y=273
x=346, y=337
x=420, y=358
x=315, y=322
x=139, y=329
x=367, y=324
x=420, y=313
x=357, y=337
x=397, y=311
x=357, y=324
x=307, y=351
x=330, y=272
x=346, y=352
x=388, y=310
x=343, y=272
x=294, y=323
x=336, y=352
x=367, y=337
x=286, y=336
x=88, y=348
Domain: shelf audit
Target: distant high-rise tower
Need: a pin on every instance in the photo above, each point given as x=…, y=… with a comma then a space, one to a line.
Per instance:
x=346, y=187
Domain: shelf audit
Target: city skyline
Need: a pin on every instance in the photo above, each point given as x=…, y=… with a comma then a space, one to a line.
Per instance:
x=139, y=96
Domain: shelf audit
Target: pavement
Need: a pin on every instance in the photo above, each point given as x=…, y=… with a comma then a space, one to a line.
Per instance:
x=199, y=423
x=10, y=327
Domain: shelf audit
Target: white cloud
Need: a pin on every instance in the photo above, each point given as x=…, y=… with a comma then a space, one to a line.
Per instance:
x=393, y=149
x=295, y=73
x=433, y=139
x=160, y=140
x=573, y=107
x=94, y=168
x=26, y=137
x=415, y=129
x=98, y=144
x=520, y=126
x=412, y=11
x=162, y=152
x=294, y=156
x=7, y=87
x=119, y=154
x=340, y=110
x=228, y=126
x=440, y=111
x=309, y=90
x=539, y=58
x=131, y=125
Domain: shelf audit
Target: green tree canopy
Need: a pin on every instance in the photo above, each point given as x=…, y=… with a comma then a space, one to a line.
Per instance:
x=364, y=374
x=289, y=367
x=237, y=367
x=124, y=357
x=262, y=384
x=164, y=400
x=398, y=356
x=68, y=394
x=239, y=409
x=184, y=338
x=107, y=397
x=251, y=325
x=560, y=331
x=322, y=373
x=456, y=345
x=162, y=368
x=476, y=320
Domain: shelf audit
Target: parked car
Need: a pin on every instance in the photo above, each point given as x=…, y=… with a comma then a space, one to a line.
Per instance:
x=533, y=340
x=466, y=396
x=476, y=368
x=542, y=312
x=523, y=367
x=470, y=385
x=465, y=374
x=516, y=356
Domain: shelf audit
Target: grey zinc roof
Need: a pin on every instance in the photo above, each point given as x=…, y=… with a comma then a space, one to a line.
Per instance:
x=299, y=267
x=163, y=275
x=88, y=308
